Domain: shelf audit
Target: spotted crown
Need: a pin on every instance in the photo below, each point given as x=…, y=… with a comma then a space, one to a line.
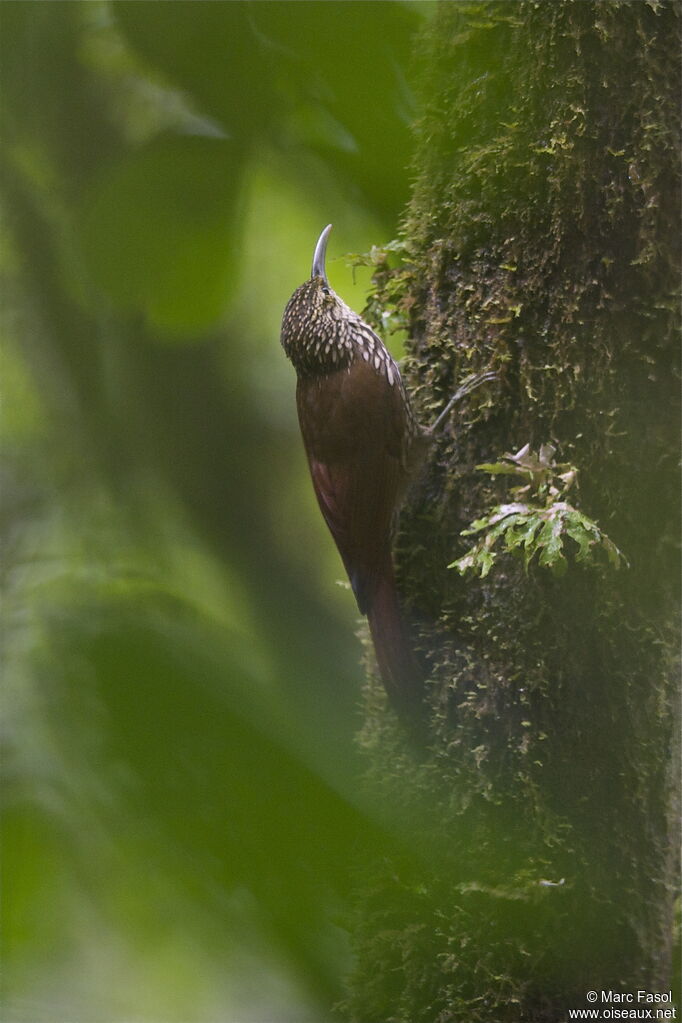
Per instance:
x=321, y=334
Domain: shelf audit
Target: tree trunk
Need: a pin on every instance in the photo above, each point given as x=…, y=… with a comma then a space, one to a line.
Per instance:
x=544, y=245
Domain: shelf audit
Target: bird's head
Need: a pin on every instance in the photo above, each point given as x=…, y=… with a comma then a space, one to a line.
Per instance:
x=317, y=325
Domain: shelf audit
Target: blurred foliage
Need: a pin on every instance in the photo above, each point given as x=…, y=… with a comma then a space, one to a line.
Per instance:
x=180, y=675
x=167, y=216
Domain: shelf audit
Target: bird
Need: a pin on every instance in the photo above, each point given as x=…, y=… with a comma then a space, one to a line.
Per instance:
x=363, y=444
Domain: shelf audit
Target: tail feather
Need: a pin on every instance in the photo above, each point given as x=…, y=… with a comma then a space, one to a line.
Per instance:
x=399, y=670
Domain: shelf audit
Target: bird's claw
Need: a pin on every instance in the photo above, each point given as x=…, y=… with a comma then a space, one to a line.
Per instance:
x=469, y=384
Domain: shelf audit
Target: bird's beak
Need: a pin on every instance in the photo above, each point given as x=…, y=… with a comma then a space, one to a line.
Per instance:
x=319, y=255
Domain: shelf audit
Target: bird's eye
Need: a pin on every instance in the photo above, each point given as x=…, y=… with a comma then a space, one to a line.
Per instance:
x=325, y=289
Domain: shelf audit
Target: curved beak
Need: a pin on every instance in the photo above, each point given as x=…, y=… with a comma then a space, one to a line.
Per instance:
x=320, y=254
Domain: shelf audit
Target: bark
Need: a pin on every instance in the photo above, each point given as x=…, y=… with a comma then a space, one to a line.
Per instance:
x=544, y=243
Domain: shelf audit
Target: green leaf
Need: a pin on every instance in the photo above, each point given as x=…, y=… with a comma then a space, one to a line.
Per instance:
x=476, y=526
x=464, y=564
x=551, y=541
x=502, y=524
x=486, y=559
x=525, y=537
x=584, y=533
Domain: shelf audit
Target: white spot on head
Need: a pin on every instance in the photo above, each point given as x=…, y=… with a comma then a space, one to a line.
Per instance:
x=389, y=374
x=377, y=361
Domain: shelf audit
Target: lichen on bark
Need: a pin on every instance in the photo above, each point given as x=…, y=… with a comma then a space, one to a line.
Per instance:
x=543, y=240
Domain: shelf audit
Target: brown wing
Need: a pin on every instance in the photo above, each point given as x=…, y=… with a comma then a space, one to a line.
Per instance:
x=353, y=426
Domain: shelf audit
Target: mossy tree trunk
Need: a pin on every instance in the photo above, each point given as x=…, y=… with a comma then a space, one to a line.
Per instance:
x=544, y=239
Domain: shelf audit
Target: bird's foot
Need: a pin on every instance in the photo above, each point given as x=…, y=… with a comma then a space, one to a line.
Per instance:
x=469, y=384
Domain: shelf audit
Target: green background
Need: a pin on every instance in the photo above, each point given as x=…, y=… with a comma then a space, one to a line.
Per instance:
x=181, y=801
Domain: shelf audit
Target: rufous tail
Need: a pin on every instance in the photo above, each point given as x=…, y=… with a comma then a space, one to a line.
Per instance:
x=398, y=666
